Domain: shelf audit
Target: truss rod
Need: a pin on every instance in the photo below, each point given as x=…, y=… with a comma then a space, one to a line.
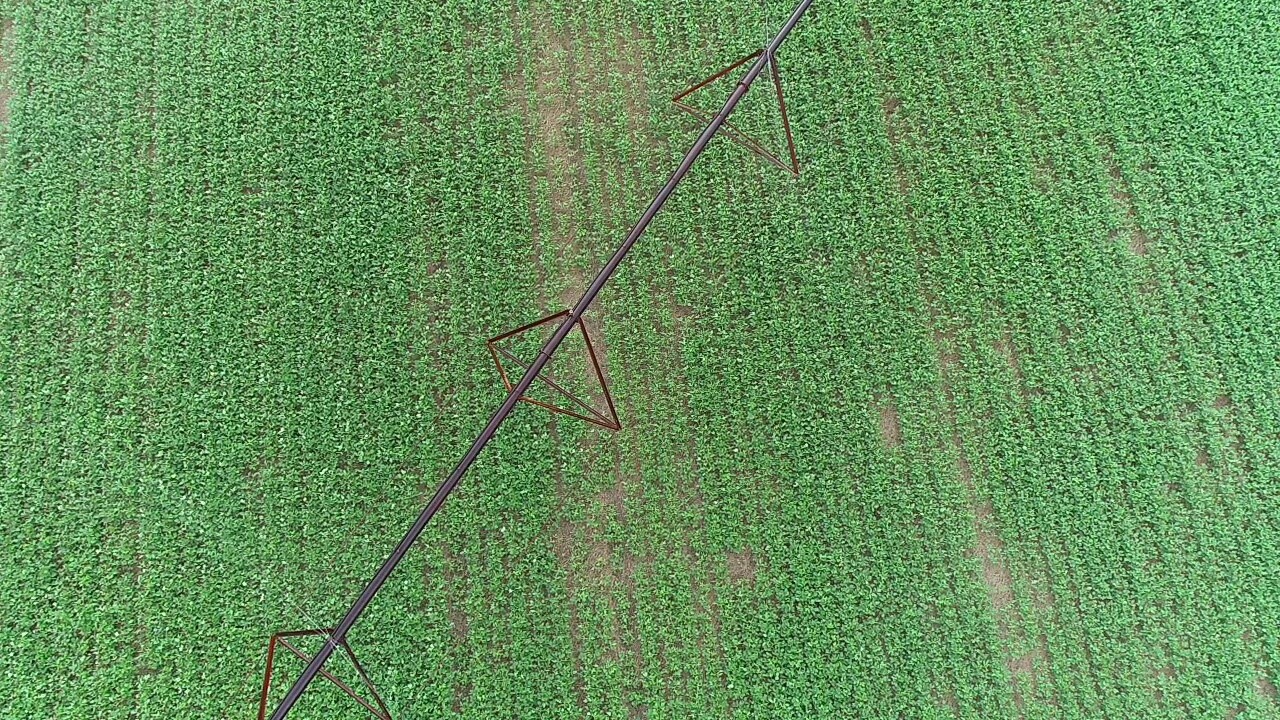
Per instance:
x=451, y=482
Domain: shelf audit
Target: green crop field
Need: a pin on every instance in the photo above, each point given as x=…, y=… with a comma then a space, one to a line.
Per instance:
x=977, y=418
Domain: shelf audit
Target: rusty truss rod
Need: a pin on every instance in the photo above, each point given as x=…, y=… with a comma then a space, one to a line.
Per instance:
x=338, y=636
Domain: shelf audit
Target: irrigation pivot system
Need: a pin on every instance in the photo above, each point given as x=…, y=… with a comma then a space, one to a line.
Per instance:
x=336, y=637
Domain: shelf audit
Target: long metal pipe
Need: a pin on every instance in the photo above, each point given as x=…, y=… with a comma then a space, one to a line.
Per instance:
x=544, y=355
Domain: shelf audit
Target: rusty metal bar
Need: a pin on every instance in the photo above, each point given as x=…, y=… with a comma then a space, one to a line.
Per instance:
x=782, y=107
x=451, y=482
x=282, y=638
x=596, y=417
x=733, y=132
x=382, y=713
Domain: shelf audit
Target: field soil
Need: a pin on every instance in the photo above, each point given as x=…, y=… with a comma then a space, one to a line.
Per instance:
x=976, y=418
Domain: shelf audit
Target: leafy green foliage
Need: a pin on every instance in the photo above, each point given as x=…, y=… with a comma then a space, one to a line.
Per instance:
x=977, y=418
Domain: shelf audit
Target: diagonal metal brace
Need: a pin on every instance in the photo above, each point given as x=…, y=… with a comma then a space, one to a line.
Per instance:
x=735, y=134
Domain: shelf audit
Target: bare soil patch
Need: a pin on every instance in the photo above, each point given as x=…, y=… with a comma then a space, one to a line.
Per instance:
x=904, y=180
x=615, y=499
x=6, y=86
x=1267, y=689
x=1119, y=186
x=1044, y=176
x=1044, y=598
x=1006, y=347
x=1024, y=672
x=599, y=565
x=890, y=107
x=1138, y=241
x=990, y=550
x=1122, y=194
x=575, y=284
x=461, y=693
x=461, y=627
x=890, y=424
x=1027, y=669
x=867, y=33
x=347, y=463
x=1025, y=663
x=944, y=342
x=455, y=577
x=947, y=699
x=552, y=107
x=742, y=566
x=562, y=545
x=253, y=471
x=1202, y=458
x=569, y=77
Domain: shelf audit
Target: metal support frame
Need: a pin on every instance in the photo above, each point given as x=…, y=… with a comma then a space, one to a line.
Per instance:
x=284, y=640
x=734, y=133
x=339, y=633
x=593, y=415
